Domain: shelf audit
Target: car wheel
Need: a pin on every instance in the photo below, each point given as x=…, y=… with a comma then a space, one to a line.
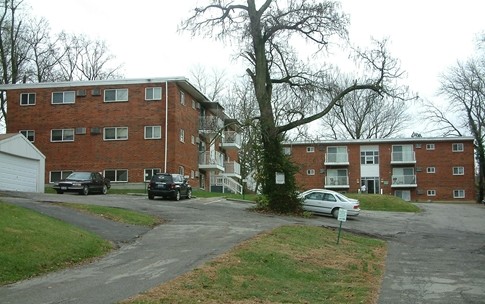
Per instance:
x=60, y=192
x=85, y=190
x=151, y=196
x=335, y=212
x=105, y=189
x=177, y=195
x=189, y=193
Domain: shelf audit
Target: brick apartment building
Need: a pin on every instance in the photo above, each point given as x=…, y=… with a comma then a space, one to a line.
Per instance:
x=415, y=169
x=128, y=129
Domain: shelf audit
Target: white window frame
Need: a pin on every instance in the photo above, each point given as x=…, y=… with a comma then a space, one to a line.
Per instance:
x=121, y=95
x=459, y=193
x=182, y=98
x=192, y=174
x=310, y=172
x=430, y=146
x=182, y=135
x=287, y=150
x=29, y=103
x=149, y=172
x=116, y=175
x=29, y=134
x=457, y=147
x=192, y=139
x=193, y=104
x=153, y=132
x=310, y=149
x=155, y=92
x=182, y=171
x=460, y=170
x=67, y=135
x=65, y=95
x=431, y=192
x=117, y=131
x=431, y=170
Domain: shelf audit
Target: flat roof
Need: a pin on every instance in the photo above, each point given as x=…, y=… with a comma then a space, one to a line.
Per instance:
x=381, y=140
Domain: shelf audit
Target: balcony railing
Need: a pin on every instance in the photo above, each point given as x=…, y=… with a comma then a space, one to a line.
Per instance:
x=232, y=168
x=210, y=124
x=403, y=157
x=404, y=181
x=336, y=182
x=211, y=160
x=231, y=139
x=226, y=184
x=341, y=158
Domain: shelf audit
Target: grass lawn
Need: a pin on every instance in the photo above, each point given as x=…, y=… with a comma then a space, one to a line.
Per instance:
x=291, y=264
x=32, y=244
x=382, y=202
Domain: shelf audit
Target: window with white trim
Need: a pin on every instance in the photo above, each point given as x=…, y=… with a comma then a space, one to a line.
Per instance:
x=310, y=149
x=430, y=146
x=182, y=135
x=181, y=170
x=310, y=172
x=431, y=170
x=55, y=176
x=458, y=170
x=192, y=174
x=287, y=150
x=116, y=175
x=27, y=99
x=115, y=133
x=459, y=193
x=457, y=147
x=192, y=139
x=62, y=135
x=182, y=98
x=63, y=97
x=29, y=134
x=154, y=93
x=431, y=192
x=151, y=172
x=153, y=132
x=193, y=104
x=115, y=95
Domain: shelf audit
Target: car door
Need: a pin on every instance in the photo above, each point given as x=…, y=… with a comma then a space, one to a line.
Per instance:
x=314, y=202
x=96, y=181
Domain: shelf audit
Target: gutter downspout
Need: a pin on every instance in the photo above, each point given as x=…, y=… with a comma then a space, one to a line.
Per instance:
x=166, y=127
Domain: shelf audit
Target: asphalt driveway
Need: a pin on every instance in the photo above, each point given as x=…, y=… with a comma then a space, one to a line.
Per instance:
x=437, y=256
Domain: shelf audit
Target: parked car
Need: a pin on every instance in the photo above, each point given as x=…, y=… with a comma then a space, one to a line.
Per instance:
x=83, y=182
x=170, y=185
x=322, y=201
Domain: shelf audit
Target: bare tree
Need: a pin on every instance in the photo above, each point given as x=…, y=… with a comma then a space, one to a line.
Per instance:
x=262, y=33
x=212, y=83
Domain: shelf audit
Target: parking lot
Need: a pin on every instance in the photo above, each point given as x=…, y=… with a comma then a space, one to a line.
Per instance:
x=436, y=256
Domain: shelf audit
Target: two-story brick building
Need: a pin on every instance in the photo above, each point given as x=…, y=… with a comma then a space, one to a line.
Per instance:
x=128, y=129
x=417, y=169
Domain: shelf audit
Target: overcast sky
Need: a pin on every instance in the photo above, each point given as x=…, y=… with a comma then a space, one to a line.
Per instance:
x=427, y=36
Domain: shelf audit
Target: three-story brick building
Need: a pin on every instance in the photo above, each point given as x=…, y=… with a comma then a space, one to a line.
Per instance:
x=128, y=129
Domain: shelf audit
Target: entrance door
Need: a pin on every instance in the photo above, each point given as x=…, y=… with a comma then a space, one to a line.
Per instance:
x=371, y=184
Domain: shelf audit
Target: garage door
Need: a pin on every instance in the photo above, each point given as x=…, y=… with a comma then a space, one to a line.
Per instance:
x=18, y=174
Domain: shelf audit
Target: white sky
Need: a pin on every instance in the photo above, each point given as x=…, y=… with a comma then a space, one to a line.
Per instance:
x=427, y=36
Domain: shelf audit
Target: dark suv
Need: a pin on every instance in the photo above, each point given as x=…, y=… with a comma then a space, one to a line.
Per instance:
x=166, y=185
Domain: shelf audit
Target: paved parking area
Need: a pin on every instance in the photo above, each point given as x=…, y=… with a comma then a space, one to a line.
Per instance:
x=436, y=256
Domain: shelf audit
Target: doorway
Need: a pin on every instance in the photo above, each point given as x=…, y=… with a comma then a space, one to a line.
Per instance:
x=371, y=184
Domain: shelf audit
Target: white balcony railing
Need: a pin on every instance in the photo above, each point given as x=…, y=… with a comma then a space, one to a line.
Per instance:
x=404, y=181
x=336, y=182
x=403, y=157
x=226, y=184
x=338, y=158
x=232, y=168
x=211, y=160
x=210, y=124
x=231, y=139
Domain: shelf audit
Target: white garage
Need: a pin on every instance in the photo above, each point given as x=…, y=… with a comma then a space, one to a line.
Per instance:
x=22, y=165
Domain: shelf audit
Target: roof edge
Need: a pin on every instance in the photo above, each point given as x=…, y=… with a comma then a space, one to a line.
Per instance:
x=381, y=140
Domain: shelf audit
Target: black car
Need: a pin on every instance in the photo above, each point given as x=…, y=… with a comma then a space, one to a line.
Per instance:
x=83, y=183
x=166, y=185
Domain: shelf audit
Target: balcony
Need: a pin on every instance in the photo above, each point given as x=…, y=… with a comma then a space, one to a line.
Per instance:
x=404, y=181
x=232, y=169
x=399, y=158
x=337, y=159
x=211, y=160
x=231, y=140
x=210, y=124
x=336, y=182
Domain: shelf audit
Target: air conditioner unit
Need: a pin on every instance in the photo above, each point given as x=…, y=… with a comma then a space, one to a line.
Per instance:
x=95, y=130
x=81, y=93
x=80, y=131
x=96, y=92
x=418, y=146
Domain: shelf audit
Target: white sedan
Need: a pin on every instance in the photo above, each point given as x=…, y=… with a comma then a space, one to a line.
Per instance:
x=323, y=201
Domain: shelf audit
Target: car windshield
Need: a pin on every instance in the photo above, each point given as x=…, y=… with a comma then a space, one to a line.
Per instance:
x=162, y=178
x=79, y=175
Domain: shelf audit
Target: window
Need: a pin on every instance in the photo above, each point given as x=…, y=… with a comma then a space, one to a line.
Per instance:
x=193, y=104
x=151, y=172
x=458, y=170
x=153, y=93
x=286, y=150
x=431, y=192
x=55, y=176
x=29, y=134
x=192, y=139
x=457, y=147
x=62, y=135
x=153, y=132
x=310, y=149
x=337, y=155
x=182, y=135
x=430, y=147
x=458, y=193
x=116, y=175
x=181, y=170
x=310, y=172
x=27, y=99
x=192, y=174
x=369, y=157
x=115, y=133
x=431, y=170
x=182, y=98
x=63, y=97
x=115, y=95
